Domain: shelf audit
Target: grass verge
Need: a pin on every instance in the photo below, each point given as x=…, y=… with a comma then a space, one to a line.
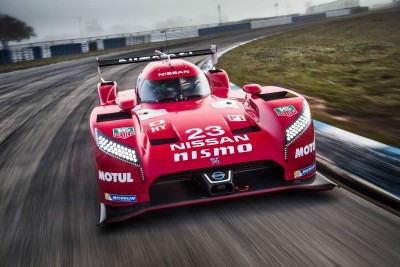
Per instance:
x=348, y=69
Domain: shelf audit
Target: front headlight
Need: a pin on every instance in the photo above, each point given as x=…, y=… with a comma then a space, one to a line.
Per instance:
x=115, y=149
x=297, y=127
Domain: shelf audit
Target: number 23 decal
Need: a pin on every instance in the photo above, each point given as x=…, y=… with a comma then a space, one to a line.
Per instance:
x=208, y=131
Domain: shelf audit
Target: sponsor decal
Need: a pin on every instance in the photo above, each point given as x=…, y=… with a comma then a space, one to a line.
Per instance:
x=124, y=132
x=305, y=150
x=236, y=118
x=145, y=114
x=190, y=151
x=120, y=198
x=215, y=161
x=212, y=152
x=197, y=133
x=218, y=176
x=194, y=148
x=287, y=111
x=157, y=125
x=305, y=171
x=116, y=177
x=175, y=72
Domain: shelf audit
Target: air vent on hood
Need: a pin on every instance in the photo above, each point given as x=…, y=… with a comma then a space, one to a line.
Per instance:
x=156, y=142
x=250, y=129
x=276, y=95
x=114, y=116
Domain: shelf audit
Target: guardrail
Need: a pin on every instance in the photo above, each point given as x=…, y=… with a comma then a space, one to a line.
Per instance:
x=377, y=163
x=18, y=53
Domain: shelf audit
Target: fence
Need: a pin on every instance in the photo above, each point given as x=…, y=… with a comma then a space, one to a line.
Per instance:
x=19, y=53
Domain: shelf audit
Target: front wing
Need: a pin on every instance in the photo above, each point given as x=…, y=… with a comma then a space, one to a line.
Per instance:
x=186, y=192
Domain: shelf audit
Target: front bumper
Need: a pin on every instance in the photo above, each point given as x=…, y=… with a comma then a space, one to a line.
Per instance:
x=185, y=193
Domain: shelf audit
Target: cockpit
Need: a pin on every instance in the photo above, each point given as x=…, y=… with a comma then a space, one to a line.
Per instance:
x=174, y=89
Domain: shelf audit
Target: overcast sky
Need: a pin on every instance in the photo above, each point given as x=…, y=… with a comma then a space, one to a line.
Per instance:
x=60, y=19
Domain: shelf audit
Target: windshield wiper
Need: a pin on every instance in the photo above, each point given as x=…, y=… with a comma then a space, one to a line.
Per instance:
x=168, y=99
x=194, y=96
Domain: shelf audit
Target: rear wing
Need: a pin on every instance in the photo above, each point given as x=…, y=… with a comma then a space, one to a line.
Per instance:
x=159, y=56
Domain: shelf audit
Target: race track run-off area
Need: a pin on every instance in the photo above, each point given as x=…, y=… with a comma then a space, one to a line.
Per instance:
x=49, y=204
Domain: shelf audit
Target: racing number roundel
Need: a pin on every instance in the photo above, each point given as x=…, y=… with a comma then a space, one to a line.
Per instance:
x=208, y=131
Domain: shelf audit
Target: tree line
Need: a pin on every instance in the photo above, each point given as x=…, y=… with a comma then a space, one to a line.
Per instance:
x=12, y=29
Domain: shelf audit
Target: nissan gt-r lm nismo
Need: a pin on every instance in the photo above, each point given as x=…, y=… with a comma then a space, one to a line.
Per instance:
x=183, y=136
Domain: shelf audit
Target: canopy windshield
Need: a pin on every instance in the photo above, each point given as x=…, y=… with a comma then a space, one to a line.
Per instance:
x=175, y=89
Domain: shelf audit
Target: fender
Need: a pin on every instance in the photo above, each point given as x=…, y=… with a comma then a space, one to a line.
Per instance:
x=107, y=93
x=219, y=83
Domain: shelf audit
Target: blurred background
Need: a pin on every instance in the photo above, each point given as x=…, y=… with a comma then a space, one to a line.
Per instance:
x=55, y=20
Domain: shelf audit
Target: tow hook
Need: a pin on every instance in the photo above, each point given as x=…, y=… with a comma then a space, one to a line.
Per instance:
x=246, y=188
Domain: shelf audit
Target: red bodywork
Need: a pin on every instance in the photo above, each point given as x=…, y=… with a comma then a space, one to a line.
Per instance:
x=238, y=138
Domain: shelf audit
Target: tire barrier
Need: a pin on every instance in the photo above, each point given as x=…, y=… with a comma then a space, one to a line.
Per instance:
x=140, y=39
x=114, y=43
x=65, y=49
x=93, y=46
x=5, y=57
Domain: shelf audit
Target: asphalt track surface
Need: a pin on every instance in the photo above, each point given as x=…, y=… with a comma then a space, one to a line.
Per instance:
x=49, y=208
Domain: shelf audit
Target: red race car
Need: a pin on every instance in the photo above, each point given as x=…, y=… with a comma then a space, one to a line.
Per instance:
x=183, y=136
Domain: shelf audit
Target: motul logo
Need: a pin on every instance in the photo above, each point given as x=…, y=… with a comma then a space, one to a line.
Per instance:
x=116, y=177
x=302, y=151
x=175, y=72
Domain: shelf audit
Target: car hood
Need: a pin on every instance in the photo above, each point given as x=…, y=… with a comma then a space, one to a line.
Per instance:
x=191, y=121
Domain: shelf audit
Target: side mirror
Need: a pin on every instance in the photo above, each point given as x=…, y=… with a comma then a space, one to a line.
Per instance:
x=127, y=104
x=126, y=100
x=253, y=89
